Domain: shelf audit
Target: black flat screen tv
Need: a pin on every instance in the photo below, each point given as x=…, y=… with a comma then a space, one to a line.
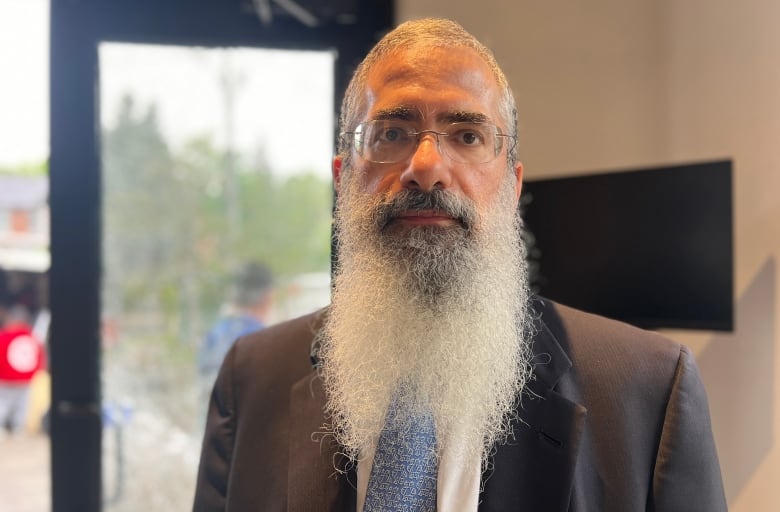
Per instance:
x=651, y=247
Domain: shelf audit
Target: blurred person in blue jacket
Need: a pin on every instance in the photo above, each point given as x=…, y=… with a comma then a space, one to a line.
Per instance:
x=247, y=310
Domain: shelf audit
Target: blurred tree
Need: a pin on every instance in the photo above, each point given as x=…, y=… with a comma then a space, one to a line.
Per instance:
x=146, y=233
x=27, y=169
x=167, y=238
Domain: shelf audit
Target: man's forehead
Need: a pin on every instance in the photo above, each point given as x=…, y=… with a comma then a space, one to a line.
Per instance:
x=432, y=84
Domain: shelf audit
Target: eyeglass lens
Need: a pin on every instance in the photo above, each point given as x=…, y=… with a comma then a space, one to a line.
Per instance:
x=394, y=141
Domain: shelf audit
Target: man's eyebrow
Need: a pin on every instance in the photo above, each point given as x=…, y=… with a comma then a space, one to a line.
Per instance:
x=414, y=114
x=401, y=112
x=463, y=117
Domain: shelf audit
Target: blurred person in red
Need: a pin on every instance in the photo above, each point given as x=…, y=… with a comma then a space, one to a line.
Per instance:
x=21, y=356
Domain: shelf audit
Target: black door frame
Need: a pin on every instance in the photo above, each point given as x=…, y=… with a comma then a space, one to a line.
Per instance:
x=77, y=29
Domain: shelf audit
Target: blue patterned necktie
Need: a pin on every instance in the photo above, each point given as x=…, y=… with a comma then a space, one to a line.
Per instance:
x=404, y=471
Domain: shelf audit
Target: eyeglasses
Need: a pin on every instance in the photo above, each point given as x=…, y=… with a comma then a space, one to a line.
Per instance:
x=392, y=141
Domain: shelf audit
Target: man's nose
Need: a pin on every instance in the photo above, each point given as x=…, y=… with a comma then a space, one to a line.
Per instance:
x=428, y=168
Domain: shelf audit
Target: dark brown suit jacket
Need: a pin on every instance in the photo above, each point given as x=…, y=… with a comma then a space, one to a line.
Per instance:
x=615, y=420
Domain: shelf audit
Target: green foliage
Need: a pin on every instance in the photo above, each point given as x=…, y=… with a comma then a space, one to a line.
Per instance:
x=28, y=169
x=287, y=223
x=176, y=225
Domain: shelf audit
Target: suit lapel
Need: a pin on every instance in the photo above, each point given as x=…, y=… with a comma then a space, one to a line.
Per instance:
x=314, y=456
x=534, y=470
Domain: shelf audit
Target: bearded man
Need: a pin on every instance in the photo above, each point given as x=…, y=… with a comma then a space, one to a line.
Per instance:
x=434, y=381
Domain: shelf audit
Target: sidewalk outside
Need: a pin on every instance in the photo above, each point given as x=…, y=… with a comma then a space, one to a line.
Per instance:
x=25, y=484
x=25, y=481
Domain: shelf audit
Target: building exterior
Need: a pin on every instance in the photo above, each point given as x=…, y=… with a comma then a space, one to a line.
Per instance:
x=24, y=243
x=24, y=223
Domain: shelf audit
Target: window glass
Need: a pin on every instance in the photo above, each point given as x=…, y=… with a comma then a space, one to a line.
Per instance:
x=216, y=221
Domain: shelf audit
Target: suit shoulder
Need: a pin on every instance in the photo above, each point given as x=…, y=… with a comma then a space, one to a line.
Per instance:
x=613, y=352
x=601, y=334
x=280, y=350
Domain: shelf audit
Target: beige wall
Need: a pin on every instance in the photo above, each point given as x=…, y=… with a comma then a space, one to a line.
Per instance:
x=610, y=84
x=586, y=83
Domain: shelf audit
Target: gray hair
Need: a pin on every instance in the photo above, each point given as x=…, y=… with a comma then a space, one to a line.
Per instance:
x=432, y=32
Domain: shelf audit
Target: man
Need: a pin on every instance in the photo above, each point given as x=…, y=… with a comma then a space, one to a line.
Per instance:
x=432, y=354
x=249, y=304
x=22, y=355
x=248, y=307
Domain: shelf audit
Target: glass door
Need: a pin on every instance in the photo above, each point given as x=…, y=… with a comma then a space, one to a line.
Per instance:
x=216, y=213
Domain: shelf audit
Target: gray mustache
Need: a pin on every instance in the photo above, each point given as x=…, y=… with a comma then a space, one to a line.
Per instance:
x=459, y=208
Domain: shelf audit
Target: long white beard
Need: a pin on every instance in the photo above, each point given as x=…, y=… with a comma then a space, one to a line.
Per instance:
x=438, y=322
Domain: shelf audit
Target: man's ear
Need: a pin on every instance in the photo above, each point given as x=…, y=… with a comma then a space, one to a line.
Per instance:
x=338, y=160
x=519, y=182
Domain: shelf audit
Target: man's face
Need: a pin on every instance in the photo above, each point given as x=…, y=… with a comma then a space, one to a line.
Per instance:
x=430, y=256
x=428, y=88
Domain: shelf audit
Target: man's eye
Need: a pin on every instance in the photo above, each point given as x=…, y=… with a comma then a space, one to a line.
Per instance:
x=391, y=135
x=468, y=138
